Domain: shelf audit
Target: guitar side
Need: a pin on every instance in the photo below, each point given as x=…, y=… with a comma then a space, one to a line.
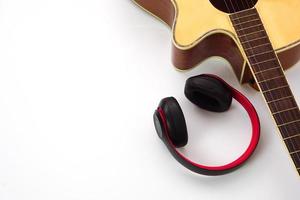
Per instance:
x=190, y=47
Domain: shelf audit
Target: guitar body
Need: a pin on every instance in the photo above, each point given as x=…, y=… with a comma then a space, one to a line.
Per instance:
x=201, y=31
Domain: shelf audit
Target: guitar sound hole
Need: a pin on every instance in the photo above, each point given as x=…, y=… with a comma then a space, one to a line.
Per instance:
x=232, y=6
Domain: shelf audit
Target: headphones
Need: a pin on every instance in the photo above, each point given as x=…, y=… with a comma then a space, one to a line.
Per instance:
x=211, y=93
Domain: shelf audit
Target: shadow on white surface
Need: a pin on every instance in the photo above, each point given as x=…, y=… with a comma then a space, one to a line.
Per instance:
x=79, y=81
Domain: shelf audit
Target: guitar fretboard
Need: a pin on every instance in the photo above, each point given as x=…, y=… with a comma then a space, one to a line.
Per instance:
x=270, y=77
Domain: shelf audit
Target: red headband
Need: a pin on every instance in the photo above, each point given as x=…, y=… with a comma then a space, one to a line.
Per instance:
x=218, y=170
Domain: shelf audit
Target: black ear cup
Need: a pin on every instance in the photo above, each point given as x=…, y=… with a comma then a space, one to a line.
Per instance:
x=212, y=93
x=208, y=93
x=158, y=124
x=175, y=121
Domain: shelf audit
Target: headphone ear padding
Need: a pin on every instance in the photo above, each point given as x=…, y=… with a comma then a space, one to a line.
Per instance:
x=208, y=93
x=176, y=124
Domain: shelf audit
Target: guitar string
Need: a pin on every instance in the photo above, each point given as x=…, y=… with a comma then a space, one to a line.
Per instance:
x=295, y=146
x=280, y=116
x=251, y=48
x=294, y=128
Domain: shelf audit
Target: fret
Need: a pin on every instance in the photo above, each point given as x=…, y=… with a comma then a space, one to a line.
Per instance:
x=257, y=50
x=284, y=104
x=249, y=21
x=262, y=53
x=243, y=13
x=287, y=116
x=250, y=27
x=254, y=42
x=292, y=122
x=267, y=83
x=293, y=146
x=291, y=137
x=283, y=98
x=298, y=151
x=261, y=45
x=242, y=17
x=269, y=74
x=266, y=68
x=248, y=34
x=288, y=109
x=272, y=59
x=278, y=94
x=280, y=87
x=262, y=57
x=270, y=79
x=290, y=130
x=255, y=39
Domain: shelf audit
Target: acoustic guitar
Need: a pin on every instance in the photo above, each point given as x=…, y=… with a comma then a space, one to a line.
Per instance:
x=259, y=38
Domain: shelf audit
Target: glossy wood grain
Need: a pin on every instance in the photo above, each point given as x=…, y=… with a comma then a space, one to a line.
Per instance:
x=201, y=31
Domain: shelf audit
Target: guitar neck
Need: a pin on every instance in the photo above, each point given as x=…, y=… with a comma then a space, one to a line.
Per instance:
x=269, y=75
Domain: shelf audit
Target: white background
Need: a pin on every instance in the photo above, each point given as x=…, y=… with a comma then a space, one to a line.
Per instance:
x=79, y=81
